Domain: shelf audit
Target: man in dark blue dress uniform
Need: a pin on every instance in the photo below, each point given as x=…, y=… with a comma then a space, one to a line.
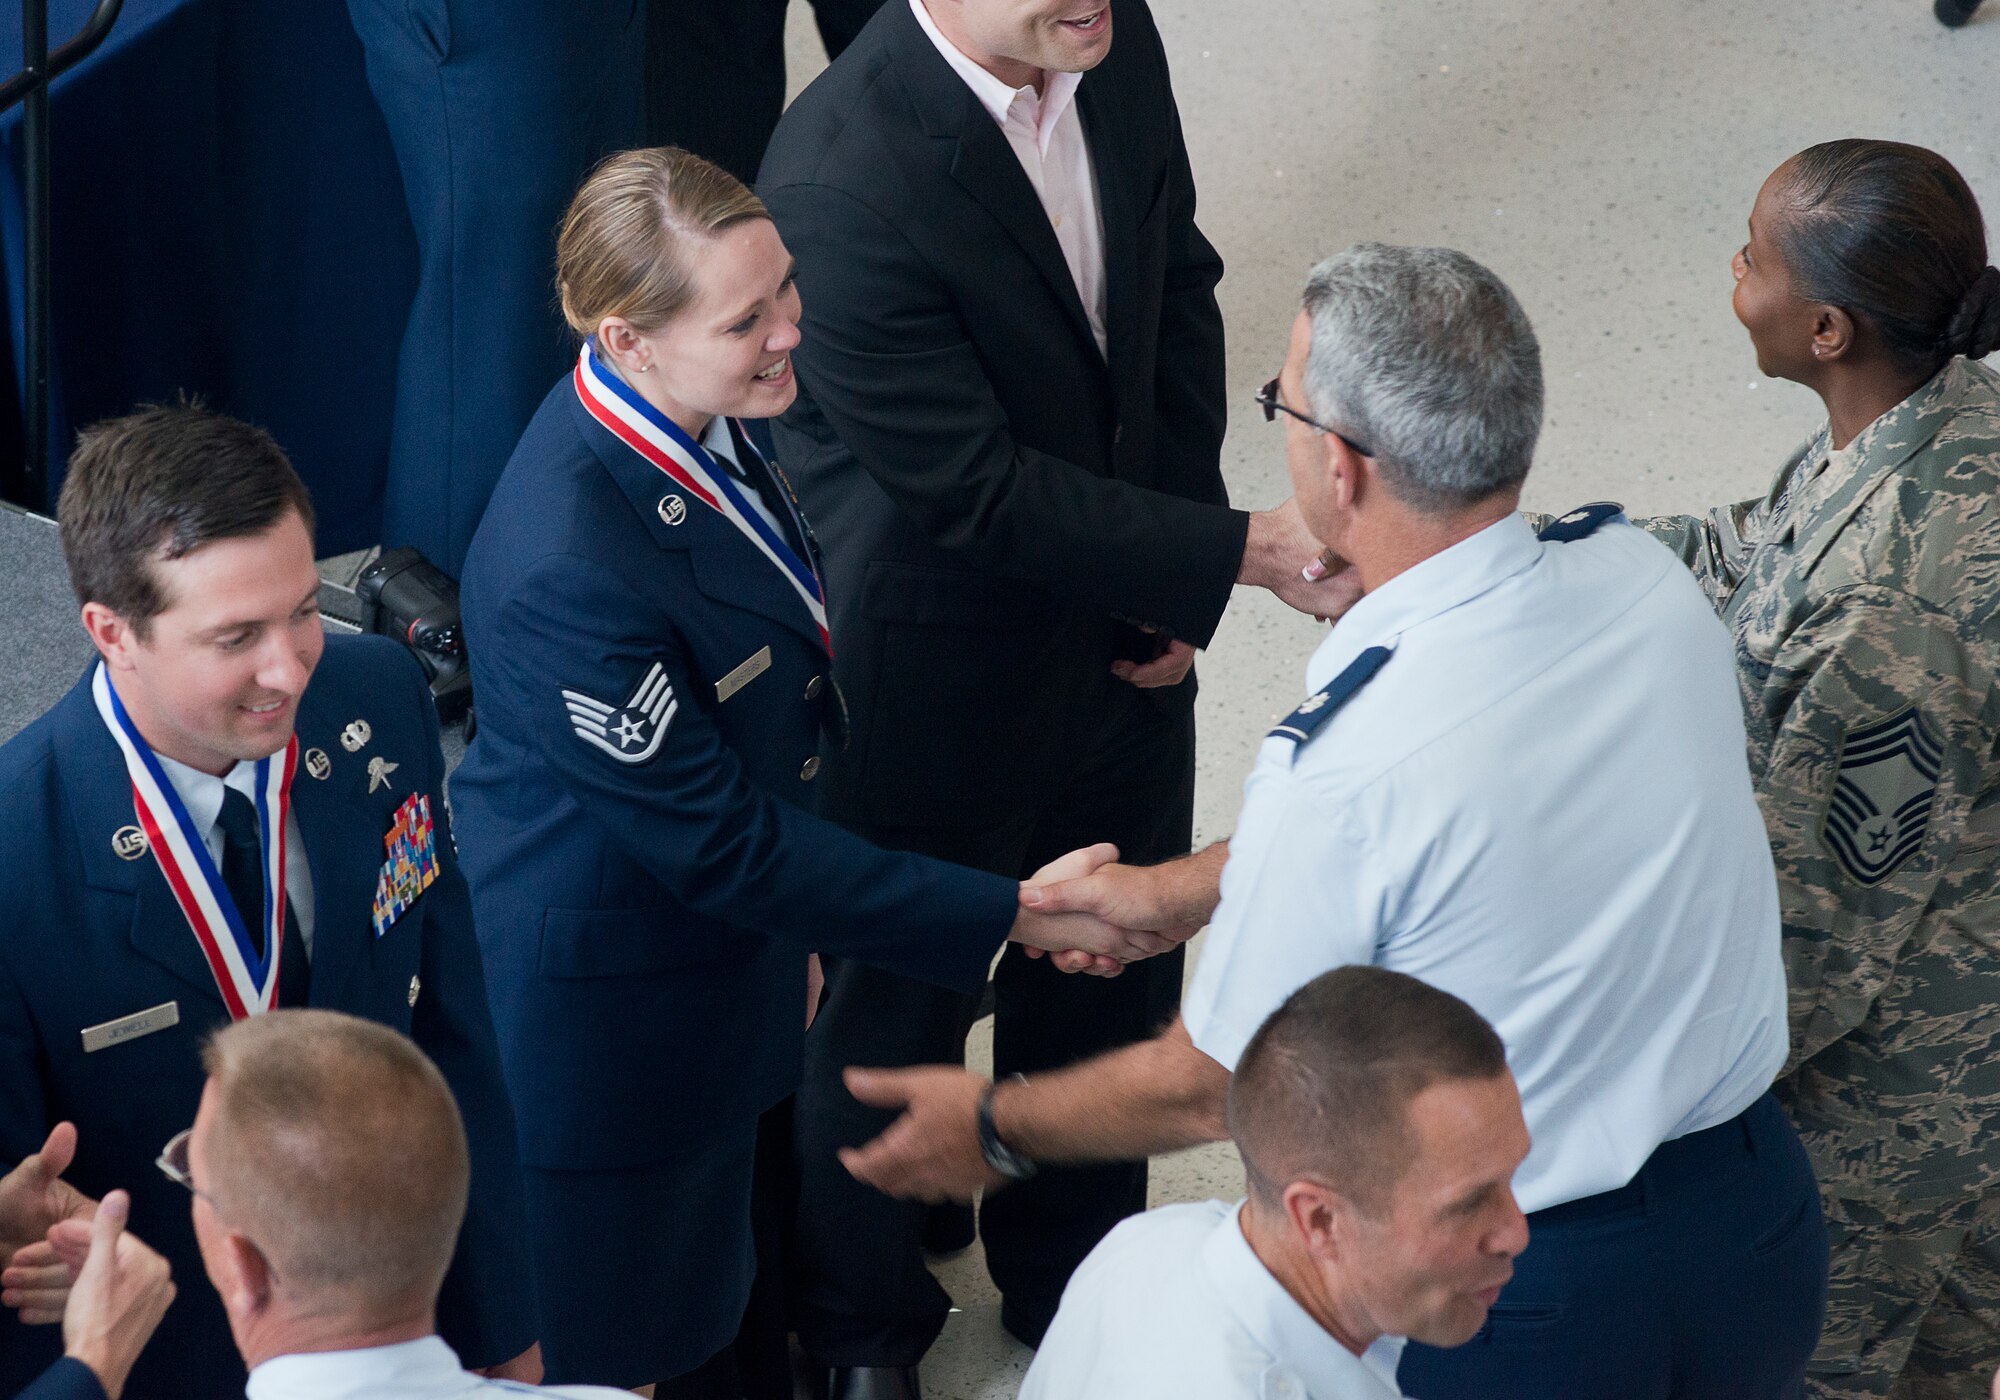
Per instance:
x=229, y=812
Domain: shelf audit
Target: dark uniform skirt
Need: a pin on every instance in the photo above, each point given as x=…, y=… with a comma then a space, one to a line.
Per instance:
x=643, y=1272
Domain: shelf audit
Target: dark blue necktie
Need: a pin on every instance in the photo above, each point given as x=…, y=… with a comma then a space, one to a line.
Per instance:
x=243, y=863
x=243, y=877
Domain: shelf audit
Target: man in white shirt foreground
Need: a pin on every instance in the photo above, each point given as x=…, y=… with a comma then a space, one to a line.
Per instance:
x=1519, y=775
x=329, y=1175
x=1379, y=1129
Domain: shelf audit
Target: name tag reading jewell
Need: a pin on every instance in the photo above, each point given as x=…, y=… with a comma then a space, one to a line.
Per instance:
x=110, y=1033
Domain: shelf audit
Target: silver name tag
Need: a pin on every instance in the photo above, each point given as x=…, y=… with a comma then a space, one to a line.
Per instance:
x=131, y=1027
x=744, y=674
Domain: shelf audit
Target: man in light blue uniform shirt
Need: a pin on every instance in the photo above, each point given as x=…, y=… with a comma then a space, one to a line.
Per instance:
x=1379, y=1129
x=327, y=1175
x=1519, y=776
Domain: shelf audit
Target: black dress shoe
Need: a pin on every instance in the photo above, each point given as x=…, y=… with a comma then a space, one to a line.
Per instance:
x=872, y=1383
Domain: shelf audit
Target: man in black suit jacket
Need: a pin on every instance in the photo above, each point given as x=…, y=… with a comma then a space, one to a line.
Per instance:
x=1018, y=495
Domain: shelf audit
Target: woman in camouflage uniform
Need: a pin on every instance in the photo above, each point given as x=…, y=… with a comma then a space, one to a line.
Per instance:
x=1864, y=595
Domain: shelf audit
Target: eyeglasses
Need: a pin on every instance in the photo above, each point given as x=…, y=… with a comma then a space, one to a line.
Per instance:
x=1268, y=400
x=173, y=1160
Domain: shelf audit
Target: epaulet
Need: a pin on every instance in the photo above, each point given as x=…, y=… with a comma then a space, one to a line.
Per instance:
x=1580, y=523
x=1323, y=704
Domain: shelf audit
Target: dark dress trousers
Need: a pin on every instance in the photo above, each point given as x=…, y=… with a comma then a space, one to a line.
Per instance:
x=646, y=915
x=715, y=73
x=998, y=504
x=496, y=108
x=89, y=938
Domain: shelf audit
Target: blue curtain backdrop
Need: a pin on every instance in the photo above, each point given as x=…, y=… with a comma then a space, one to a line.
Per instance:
x=228, y=222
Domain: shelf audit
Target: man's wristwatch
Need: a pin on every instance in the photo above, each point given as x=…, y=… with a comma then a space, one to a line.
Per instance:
x=999, y=1156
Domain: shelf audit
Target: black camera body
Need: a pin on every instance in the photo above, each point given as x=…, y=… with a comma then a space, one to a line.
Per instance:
x=405, y=596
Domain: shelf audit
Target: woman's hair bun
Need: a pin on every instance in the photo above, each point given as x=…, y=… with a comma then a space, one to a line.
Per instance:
x=1975, y=328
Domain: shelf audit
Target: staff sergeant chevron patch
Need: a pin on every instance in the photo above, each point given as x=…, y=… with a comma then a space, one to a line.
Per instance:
x=1882, y=795
x=630, y=733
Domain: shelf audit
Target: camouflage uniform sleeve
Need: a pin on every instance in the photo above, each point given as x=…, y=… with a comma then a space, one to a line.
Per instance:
x=1870, y=784
x=1716, y=546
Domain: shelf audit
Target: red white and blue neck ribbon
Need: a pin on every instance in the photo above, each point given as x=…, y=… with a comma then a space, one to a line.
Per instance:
x=655, y=437
x=248, y=982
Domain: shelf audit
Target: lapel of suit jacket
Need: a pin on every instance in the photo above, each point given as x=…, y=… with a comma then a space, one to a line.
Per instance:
x=343, y=841
x=100, y=801
x=727, y=567
x=982, y=162
x=1103, y=130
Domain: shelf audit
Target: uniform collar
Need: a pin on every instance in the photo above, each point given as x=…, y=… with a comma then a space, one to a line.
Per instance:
x=720, y=443
x=1446, y=580
x=1852, y=475
x=999, y=100
x=408, y=1369
x=1285, y=1331
x=201, y=793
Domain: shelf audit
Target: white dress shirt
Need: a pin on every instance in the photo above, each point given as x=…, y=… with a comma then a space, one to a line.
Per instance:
x=720, y=444
x=1540, y=804
x=1176, y=1303
x=201, y=794
x=425, y=1369
x=1047, y=137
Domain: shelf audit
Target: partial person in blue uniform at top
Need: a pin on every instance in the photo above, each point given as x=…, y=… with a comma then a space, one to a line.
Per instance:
x=122, y=1287
x=496, y=109
x=1519, y=776
x=229, y=812
x=650, y=656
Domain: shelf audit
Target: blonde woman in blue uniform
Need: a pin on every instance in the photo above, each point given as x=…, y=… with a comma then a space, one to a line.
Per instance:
x=650, y=656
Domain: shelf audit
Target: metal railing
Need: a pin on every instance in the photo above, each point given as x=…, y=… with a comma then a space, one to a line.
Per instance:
x=30, y=87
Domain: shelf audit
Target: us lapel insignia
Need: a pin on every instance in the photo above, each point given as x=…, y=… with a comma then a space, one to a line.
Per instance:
x=129, y=843
x=355, y=736
x=379, y=769
x=318, y=764
x=416, y=985
x=412, y=864
x=673, y=509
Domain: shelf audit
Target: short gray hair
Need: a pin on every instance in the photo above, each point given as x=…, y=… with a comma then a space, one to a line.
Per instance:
x=1426, y=359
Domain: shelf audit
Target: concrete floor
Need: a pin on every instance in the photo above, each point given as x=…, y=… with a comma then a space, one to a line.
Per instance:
x=1602, y=159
